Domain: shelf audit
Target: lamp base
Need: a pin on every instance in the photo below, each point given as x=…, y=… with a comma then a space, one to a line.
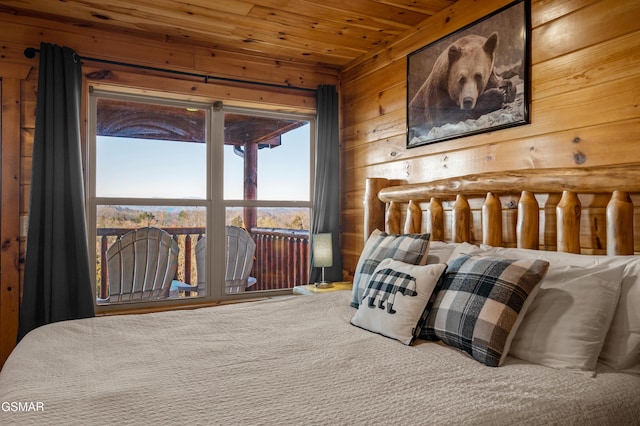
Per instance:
x=323, y=284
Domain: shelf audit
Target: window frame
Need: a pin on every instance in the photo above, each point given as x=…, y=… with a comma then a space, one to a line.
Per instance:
x=214, y=201
x=266, y=203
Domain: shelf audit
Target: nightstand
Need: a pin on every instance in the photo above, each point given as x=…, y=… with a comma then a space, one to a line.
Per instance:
x=312, y=289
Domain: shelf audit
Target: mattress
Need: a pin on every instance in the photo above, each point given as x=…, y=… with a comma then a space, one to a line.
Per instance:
x=289, y=360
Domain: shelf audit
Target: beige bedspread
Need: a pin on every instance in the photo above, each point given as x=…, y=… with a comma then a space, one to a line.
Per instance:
x=294, y=360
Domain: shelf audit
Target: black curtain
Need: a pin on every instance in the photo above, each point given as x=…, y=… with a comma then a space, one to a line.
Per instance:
x=57, y=280
x=326, y=202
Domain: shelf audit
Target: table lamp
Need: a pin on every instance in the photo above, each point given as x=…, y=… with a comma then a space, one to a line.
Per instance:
x=322, y=255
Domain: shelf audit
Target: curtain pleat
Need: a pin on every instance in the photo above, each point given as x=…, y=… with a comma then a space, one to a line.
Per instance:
x=326, y=202
x=57, y=280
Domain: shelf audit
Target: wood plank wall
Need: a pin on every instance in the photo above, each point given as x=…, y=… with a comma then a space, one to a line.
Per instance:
x=584, y=107
x=18, y=91
x=11, y=76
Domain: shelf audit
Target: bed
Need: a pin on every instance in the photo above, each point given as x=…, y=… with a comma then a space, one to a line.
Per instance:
x=569, y=355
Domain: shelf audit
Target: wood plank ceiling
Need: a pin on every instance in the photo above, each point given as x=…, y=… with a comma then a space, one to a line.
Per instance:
x=329, y=33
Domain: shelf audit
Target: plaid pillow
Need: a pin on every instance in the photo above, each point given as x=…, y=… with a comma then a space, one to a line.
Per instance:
x=407, y=248
x=397, y=299
x=481, y=303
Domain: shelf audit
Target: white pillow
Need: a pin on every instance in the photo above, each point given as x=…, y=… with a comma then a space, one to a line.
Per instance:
x=443, y=252
x=567, y=322
x=621, y=349
x=397, y=299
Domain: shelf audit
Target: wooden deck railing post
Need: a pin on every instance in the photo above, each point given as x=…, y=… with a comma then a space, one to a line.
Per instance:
x=103, y=267
x=187, y=259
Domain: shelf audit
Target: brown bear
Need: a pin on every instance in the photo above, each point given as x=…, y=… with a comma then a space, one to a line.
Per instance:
x=462, y=84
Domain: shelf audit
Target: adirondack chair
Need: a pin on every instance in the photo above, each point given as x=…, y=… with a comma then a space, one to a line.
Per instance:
x=141, y=265
x=240, y=251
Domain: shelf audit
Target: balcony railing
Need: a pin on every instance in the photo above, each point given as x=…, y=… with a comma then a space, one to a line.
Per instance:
x=281, y=259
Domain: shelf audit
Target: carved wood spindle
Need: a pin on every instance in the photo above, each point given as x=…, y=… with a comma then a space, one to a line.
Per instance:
x=461, y=223
x=435, y=220
x=568, y=213
x=492, y=220
x=528, y=226
x=620, y=224
x=413, y=224
x=550, y=227
x=374, y=209
x=394, y=216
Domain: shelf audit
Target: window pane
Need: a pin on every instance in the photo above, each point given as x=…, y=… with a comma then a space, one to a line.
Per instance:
x=281, y=240
x=139, y=261
x=266, y=158
x=150, y=151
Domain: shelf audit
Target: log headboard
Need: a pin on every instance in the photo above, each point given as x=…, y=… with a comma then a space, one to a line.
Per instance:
x=578, y=210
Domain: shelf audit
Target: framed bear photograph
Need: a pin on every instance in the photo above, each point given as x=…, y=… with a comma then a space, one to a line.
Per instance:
x=473, y=81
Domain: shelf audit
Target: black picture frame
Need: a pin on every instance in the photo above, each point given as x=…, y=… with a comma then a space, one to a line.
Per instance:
x=454, y=91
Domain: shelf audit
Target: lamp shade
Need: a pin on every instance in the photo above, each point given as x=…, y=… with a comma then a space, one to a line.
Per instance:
x=322, y=250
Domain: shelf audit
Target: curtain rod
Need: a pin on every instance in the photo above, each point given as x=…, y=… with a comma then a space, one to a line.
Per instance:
x=30, y=52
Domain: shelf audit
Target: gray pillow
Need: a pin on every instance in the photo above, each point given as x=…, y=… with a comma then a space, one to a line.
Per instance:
x=481, y=303
x=407, y=248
